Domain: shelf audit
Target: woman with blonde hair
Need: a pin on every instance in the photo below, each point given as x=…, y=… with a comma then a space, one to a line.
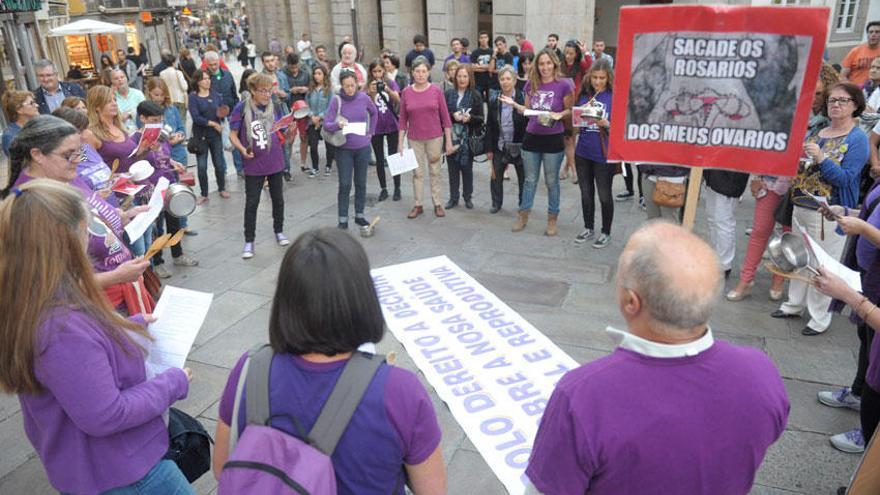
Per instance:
x=109, y=134
x=19, y=108
x=544, y=141
x=158, y=92
x=77, y=366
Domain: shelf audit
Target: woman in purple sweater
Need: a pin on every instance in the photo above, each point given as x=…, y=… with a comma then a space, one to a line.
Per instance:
x=425, y=119
x=89, y=410
x=351, y=106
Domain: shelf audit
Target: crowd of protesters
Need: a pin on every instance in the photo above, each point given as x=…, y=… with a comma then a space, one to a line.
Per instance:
x=74, y=337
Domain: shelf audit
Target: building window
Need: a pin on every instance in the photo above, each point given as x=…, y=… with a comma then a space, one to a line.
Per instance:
x=846, y=15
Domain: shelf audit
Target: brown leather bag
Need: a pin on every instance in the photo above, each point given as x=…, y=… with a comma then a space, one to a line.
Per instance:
x=669, y=194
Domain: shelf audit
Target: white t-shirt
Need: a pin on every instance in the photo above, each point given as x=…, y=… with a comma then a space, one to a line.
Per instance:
x=305, y=49
x=252, y=50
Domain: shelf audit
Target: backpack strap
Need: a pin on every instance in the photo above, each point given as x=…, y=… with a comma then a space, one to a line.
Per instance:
x=344, y=400
x=256, y=383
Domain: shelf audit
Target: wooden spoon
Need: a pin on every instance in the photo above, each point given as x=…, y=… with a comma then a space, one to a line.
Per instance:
x=789, y=275
x=114, y=167
x=157, y=245
x=175, y=240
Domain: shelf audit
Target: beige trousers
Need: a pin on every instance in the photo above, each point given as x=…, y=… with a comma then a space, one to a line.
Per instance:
x=427, y=153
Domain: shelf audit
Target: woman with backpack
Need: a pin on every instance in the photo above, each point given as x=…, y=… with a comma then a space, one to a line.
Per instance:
x=325, y=308
x=88, y=407
x=349, y=107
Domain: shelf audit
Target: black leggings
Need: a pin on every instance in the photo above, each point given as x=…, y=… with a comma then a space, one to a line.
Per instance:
x=595, y=177
x=869, y=414
x=379, y=151
x=314, y=134
x=866, y=335
x=628, y=179
x=253, y=187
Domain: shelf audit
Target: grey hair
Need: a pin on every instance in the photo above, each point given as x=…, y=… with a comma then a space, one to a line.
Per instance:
x=421, y=60
x=673, y=307
x=43, y=63
x=212, y=55
x=507, y=68
x=44, y=133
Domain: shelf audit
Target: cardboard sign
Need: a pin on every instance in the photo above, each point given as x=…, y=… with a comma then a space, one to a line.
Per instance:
x=716, y=86
x=493, y=369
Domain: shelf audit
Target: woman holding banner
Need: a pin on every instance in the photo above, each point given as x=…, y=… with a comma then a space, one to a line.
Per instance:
x=831, y=168
x=550, y=98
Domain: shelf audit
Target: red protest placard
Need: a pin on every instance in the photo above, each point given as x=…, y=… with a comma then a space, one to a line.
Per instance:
x=716, y=86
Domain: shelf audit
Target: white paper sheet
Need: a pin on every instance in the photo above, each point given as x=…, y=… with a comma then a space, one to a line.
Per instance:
x=179, y=316
x=535, y=113
x=820, y=200
x=825, y=260
x=359, y=128
x=139, y=224
x=399, y=164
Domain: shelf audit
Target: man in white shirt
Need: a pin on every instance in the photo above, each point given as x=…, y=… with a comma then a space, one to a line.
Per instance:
x=304, y=47
x=599, y=52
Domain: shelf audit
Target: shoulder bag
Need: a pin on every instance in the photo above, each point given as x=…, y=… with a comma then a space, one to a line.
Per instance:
x=334, y=138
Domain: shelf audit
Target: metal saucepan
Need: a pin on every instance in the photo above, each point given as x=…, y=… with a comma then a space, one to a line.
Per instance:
x=180, y=200
x=789, y=253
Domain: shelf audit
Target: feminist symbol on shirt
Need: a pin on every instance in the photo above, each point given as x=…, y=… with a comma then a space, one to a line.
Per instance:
x=543, y=100
x=258, y=133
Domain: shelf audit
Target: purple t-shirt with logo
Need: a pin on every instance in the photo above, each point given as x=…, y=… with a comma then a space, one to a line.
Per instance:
x=635, y=424
x=267, y=160
x=106, y=249
x=394, y=423
x=549, y=97
x=588, y=145
x=386, y=123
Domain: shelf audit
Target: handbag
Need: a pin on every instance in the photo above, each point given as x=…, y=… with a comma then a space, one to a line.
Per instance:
x=187, y=178
x=477, y=141
x=511, y=152
x=189, y=445
x=784, y=210
x=152, y=283
x=197, y=144
x=669, y=194
x=334, y=138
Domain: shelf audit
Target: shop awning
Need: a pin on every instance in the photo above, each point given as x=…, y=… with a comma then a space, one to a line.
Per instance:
x=86, y=26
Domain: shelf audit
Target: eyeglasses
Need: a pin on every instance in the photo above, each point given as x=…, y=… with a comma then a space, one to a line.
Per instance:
x=265, y=91
x=71, y=157
x=29, y=103
x=839, y=101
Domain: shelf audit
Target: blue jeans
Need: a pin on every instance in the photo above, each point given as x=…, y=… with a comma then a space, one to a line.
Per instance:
x=348, y=163
x=237, y=160
x=164, y=479
x=532, y=165
x=140, y=245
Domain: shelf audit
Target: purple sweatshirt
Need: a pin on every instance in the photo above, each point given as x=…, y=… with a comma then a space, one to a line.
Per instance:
x=423, y=114
x=357, y=108
x=98, y=423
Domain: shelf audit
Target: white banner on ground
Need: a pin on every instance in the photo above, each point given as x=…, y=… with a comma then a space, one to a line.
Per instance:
x=493, y=369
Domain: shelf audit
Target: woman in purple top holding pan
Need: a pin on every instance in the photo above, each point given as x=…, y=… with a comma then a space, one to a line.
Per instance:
x=262, y=155
x=88, y=407
x=326, y=307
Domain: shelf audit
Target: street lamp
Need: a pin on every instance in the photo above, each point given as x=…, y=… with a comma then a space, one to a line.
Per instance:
x=354, y=29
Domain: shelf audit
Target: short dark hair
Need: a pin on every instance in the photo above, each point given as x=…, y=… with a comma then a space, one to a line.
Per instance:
x=554, y=36
x=394, y=59
x=149, y=108
x=482, y=33
x=501, y=39
x=854, y=92
x=453, y=40
x=325, y=301
x=265, y=54
x=871, y=24
x=420, y=38
x=465, y=42
x=292, y=59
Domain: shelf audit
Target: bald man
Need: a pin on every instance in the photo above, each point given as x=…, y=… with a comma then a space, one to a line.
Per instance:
x=672, y=410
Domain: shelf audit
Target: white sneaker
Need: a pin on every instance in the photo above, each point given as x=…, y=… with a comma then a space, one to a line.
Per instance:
x=584, y=236
x=840, y=398
x=851, y=441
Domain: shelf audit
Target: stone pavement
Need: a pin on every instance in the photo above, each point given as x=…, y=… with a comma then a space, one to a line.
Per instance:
x=563, y=289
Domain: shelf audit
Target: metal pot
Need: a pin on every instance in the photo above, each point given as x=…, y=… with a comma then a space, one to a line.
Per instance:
x=789, y=253
x=180, y=200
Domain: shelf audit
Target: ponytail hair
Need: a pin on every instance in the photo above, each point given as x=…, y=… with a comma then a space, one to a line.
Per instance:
x=43, y=133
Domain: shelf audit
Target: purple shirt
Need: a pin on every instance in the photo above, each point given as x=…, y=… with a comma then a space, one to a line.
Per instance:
x=111, y=150
x=549, y=97
x=462, y=59
x=423, y=114
x=386, y=122
x=267, y=160
x=865, y=251
x=636, y=424
x=97, y=424
x=394, y=423
x=357, y=108
x=588, y=145
x=106, y=249
x=92, y=168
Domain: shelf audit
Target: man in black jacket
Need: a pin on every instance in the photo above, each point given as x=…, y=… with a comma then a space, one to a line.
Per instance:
x=505, y=131
x=723, y=189
x=52, y=92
